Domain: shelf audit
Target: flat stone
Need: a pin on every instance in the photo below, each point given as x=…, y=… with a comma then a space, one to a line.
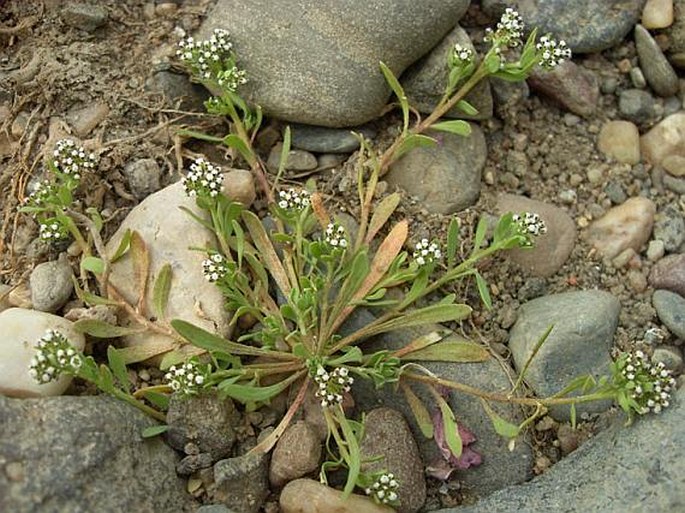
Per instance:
x=628, y=225
x=658, y=71
x=322, y=139
x=84, y=16
x=670, y=307
x=387, y=435
x=297, y=160
x=84, y=120
x=81, y=454
x=573, y=87
x=309, y=496
x=587, y=26
x=424, y=82
x=670, y=228
x=669, y=273
x=177, y=89
x=637, y=105
x=629, y=469
x=665, y=139
x=445, y=178
x=331, y=76
x=143, y=177
x=241, y=483
x=169, y=233
x=51, y=284
x=583, y=323
x=297, y=453
x=657, y=14
x=620, y=140
x=551, y=250
x=21, y=329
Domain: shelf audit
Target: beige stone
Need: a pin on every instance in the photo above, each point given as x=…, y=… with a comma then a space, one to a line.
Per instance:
x=21, y=329
x=620, y=140
x=239, y=186
x=4, y=297
x=628, y=225
x=309, y=496
x=666, y=138
x=657, y=14
x=83, y=121
x=674, y=165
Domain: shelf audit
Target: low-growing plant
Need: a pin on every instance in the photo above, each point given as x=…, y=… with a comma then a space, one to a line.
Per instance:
x=291, y=288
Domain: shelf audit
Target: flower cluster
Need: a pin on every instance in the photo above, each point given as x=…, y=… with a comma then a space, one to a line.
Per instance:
x=650, y=384
x=188, y=378
x=214, y=268
x=426, y=252
x=293, y=200
x=205, y=58
x=54, y=356
x=530, y=225
x=384, y=489
x=461, y=54
x=509, y=29
x=335, y=236
x=53, y=230
x=70, y=160
x=203, y=179
x=231, y=78
x=332, y=385
x=42, y=192
x=552, y=52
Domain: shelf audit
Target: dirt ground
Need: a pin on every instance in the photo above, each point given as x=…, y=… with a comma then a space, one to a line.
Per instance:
x=52, y=72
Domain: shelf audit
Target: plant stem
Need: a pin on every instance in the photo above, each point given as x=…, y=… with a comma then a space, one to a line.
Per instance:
x=138, y=404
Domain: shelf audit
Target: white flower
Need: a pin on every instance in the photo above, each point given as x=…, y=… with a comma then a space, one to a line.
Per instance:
x=331, y=385
x=384, y=489
x=651, y=383
x=54, y=356
x=52, y=230
x=70, y=160
x=426, y=252
x=293, y=200
x=215, y=267
x=187, y=379
x=509, y=29
x=203, y=179
x=461, y=54
x=335, y=236
x=552, y=52
x=530, y=225
x=207, y=58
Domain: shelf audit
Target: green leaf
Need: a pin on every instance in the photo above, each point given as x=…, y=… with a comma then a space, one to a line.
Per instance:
x=450, y=427
x=233, y=141
x=414, y=141
x=502, y=427
x=399, y=92
x=268, y=253
x=93, y=264
x=454, y=126
x=450, y=351
x=467, y=108
x=381, y=214
x=252, y=393
x=102, y=329
x=116, y=363
x=452, y=241
x=96, y=218
x=199, y=135
x=161, y=401
x=481, y=231
x=352, y=354
x=493, y=61
x=152, y=431
x=428, y=315
x=123, y=247
x=483, y=290
x=160, y=291
x=105, y=379
x=423, y=418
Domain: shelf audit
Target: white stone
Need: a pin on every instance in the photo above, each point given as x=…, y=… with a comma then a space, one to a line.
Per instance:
x=169, y=234
x=657, y=14
x=666, y=138
x=309, y=496
x=21, y=329
x=620, y=140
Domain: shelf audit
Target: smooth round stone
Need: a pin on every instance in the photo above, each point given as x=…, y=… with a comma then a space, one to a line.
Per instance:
x=238, y=185
x=674, y=165
x=573, y=87
x=552, y=249
x=84, y=120
x=669, y=273
x=322, y=139
x=620, y=140
x=670, y=307
x=658, y=71
x=587, y=26
x=143, y=177
x=657, y=14
x=296, y=454
x=671, y=357
x=665, y=139
x=628, y=225
x=655, y=250
x=297, y=160
x=638, y=78
x=51, y=284
x=309, y=496
x=21, y=329
x=84, y=16
x=637, y=105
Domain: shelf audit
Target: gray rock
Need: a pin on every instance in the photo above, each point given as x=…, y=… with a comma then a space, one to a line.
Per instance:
x=194, y=462
x=674, y=184
x=51, y=284
x=328, y=140
x=676, y=35
x=84, y=16
x=638, y=78
x=446, y=177
x=388, y=436
x=552, y=249
x=331, y=76
x=296, y=454
x=507, y=94
x=143, y=177
x=573, y=87
x=637, y=105
x=669, y=227
x=583, y=323
x=241, y=483
x=425, y=81
x=670, y=307
x=501, y=467
x=669, y=273
x=532, y=288
x=587, y=26
x=615, y=192
x=297, y=160
x=670, y=356
x=205, y=420
x=84, y=454
x=214, y=508
x=659, y=73
x=178, y=88
x=628, y=469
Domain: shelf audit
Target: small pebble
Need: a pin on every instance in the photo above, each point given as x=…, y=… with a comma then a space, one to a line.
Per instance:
x=620, y=140
x=638, y=78
x=84, y=16
x=657, y=14
x=674, y=165
x=239, y=186
x=655, y=250
x=51, y=284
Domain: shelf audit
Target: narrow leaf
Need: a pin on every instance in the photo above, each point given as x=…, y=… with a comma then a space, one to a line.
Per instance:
x=102, y=329
x=141, y=266
x=467, y=108
x=451, y=428
x=502, y=427
x=454, y=126
x=251, y=393
x=423, y=418
x=399, y=92
x=452, y=241
x=481, y=230
x=116, y=363
x=152, y=431
x=160, y=291
x=427, y=315
x=93, y=264
x=233, y=141
x=160, y=401
x=268, y=253
x=123, y=247
x=450, y=351
x=381, y=214
x=483, y=290
x=421, y=342
x=414, y=141
x=199, y=135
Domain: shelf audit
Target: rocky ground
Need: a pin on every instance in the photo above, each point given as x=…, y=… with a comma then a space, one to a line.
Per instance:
x=596, y=147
